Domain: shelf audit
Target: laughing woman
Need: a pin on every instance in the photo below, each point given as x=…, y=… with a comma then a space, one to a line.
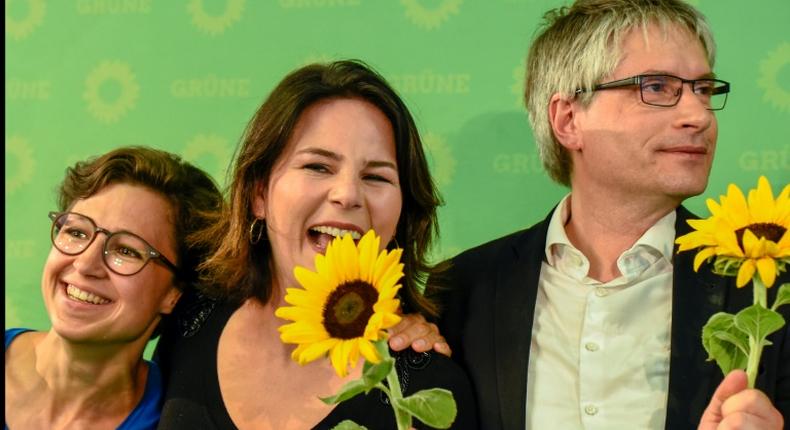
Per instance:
x=122, y=253
x=333, y=150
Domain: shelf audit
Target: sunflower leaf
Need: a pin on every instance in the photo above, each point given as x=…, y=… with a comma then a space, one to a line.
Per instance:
x=348, y=425
x=371, y=375
x=758, y=321
x=740, y=340
x=434, y=407
x=377, y=372
x=346, y=392
x=724, y=342
x=782, y=296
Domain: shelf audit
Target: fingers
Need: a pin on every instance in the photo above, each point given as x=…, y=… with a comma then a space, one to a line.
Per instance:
x=421, y=335
x=443, y=348
x=733, y=406
x=750, y=409
x=734, y=382
x=411, y=330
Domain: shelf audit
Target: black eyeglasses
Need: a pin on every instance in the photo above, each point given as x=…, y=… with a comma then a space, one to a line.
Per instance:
x=666, y=90
x=124, y=253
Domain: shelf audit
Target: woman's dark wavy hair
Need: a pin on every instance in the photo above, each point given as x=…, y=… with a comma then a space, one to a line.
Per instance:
x=238, y=268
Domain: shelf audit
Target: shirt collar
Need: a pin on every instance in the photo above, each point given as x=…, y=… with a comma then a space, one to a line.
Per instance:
x=556, y=233
x=658, y=239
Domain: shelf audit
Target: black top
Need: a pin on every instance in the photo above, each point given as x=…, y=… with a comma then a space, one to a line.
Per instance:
x=193, y=399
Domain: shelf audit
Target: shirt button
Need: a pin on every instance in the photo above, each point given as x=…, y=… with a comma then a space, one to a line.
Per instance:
x=591, y=346
x=601, y=292
x=590, y=410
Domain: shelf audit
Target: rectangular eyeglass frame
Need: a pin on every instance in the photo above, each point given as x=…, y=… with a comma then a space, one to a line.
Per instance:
x=637, y=80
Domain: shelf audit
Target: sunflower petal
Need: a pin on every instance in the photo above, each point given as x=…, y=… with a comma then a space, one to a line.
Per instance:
x=761, y=202
x=766, y=267
x=293, y=313
x=745, y=273
x=348, y=259
x=703, y=255
x=312, y=281
x=713, y=207
x=302, y=332
x=338, y=359
x=369, y=351
x=318, y=349
x=353, y=353
x=368, y=250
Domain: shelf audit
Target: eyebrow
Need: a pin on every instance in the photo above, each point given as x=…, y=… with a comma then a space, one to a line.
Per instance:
x=337, y=157
x=709, y=75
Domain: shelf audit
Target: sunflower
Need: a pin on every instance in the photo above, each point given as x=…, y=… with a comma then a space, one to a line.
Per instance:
x=345, y=305
x=748, y=235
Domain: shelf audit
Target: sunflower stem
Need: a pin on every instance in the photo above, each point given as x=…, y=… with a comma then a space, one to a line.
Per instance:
x=753, y=361
x=756, y=345
x=759, y=289
x=402, y=418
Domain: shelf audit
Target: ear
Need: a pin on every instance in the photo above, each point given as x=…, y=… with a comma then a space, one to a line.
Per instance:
x=258, y=200
x=563, y=118
x=170, y=300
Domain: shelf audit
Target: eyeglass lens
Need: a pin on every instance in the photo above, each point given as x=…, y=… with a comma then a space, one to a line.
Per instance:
x=124, y=253
x=663, y=90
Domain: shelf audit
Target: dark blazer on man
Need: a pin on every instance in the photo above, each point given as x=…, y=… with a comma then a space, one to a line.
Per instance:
x=488, y=301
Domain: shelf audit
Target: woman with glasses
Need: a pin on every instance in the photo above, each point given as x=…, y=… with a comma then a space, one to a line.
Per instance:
x=123, y=252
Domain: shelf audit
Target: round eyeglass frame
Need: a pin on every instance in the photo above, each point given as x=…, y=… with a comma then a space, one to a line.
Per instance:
x=150, y=253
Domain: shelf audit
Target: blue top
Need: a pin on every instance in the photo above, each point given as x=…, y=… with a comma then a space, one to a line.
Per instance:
x=145, y=415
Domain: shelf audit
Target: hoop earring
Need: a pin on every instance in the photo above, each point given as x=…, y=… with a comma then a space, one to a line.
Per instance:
x=255, y=237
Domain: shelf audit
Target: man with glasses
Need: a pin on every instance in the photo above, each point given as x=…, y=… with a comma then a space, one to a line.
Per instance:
x=589, y=319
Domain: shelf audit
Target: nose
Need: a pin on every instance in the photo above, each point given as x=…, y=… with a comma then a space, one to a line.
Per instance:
x=346, y=191
x=693, y=113
x=91, y=261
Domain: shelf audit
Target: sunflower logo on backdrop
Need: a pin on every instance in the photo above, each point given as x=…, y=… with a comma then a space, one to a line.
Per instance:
x=211, y=145
x=430, y=18
x=441, y=158
x=770, y=67
x=20, y=163
x=21, y=28
x=215, y=25
x=111, y=73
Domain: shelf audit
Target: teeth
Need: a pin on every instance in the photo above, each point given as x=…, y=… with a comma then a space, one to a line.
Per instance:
x=84, y=296
x=336, y=232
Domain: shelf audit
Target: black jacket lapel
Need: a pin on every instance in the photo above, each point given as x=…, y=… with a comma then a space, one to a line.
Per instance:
x=695, y=297
x=516, y=293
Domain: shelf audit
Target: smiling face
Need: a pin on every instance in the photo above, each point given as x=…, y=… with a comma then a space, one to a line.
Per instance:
x=338, y=174
x=86, y=301
x=630, y=149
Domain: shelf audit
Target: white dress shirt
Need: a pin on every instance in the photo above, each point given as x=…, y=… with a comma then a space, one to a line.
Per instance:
x=599, y=357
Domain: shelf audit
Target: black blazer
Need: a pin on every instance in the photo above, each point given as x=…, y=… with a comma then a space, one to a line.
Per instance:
x=488, y=300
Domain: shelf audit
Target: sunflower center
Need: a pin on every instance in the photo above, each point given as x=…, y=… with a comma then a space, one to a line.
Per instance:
x=348, y=309
x=768, y=230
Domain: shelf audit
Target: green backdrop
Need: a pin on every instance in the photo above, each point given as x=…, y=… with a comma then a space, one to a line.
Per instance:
x=85, y=76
